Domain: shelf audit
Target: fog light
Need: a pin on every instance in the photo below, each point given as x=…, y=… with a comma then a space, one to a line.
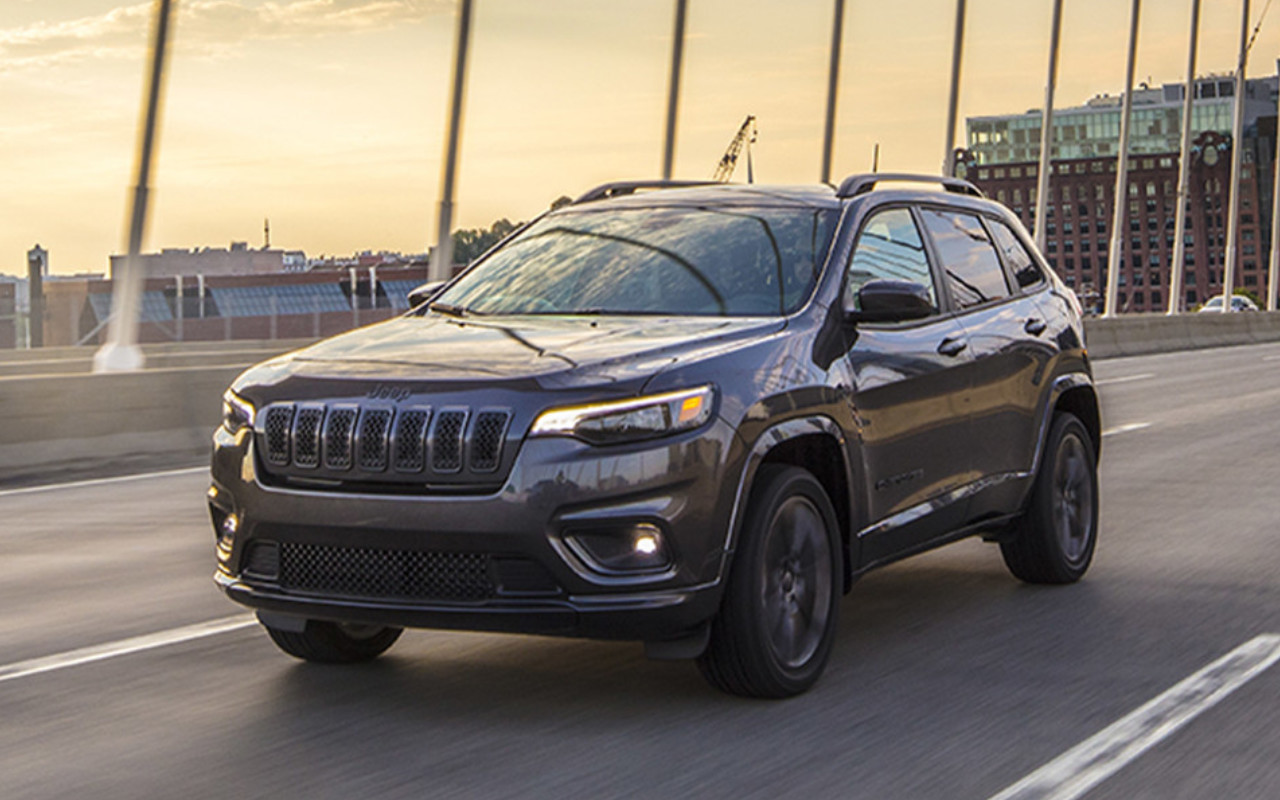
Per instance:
x=626, y=550
x=230, y=525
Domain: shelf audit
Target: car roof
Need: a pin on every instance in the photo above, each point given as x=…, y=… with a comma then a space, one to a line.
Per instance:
x=720, y=194
x=758, y=194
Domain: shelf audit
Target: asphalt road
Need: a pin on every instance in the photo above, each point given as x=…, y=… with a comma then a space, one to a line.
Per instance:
x=949, y=680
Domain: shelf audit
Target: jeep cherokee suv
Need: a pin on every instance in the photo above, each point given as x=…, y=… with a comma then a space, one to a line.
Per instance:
x=685, y=414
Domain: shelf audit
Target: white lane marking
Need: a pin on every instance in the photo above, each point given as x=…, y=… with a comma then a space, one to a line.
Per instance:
x=49, y=487
x=1132, y=426
x=135, y=644
x=1099, y=757
x=1271, y=358
x=1124, y=379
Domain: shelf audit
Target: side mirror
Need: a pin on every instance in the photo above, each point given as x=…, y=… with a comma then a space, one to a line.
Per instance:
x=425, y=293
x=883, y=300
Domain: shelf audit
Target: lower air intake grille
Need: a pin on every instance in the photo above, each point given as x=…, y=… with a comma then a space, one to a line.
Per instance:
x=405, y=574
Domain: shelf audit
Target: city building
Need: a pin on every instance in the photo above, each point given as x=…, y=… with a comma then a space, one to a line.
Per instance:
x=283, y=305
x=8, y=314
x=238, y=259
x=1002, y=159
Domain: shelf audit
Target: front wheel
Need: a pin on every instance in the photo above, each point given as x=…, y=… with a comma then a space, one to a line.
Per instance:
x=1057, y=535
x=777, y=620
x=335, y=642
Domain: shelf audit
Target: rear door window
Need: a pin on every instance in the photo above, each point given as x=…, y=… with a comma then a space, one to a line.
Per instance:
x=969, y=261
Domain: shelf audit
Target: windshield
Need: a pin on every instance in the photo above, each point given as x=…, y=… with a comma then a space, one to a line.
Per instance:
x=675, y=260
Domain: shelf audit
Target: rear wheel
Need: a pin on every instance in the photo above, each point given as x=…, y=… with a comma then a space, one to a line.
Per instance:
x=777, y=620
x=1057, y=535
x=335, y=642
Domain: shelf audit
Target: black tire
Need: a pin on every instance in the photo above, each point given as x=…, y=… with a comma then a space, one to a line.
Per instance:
x=334, y=642
x=777, y=618
x=1056, y=536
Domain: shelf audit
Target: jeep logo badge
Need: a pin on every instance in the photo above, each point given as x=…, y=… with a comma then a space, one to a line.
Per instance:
x=385, y=391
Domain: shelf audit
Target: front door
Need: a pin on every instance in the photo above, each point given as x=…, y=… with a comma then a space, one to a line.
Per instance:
x=909, y=396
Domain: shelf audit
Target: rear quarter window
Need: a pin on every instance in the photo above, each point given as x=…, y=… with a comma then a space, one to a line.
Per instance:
x=1026, y=272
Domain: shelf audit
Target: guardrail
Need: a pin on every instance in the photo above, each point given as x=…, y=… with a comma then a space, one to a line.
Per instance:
x=51, y=420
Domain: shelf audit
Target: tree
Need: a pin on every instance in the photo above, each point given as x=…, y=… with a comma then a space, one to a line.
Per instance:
x=470, y=243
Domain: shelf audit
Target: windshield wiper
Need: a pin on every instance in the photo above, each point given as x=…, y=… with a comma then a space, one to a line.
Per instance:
x=450, y=309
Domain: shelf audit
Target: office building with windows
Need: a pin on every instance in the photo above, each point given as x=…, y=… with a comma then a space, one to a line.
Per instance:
x=1002, y=158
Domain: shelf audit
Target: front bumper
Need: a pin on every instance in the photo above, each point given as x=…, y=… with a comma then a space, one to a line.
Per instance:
x=651, y=616
x=555, y=487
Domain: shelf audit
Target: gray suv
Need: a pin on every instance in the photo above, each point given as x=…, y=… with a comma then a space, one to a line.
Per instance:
x=690, y=415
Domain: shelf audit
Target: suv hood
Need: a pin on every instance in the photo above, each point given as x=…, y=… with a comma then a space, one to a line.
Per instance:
x=556, y=352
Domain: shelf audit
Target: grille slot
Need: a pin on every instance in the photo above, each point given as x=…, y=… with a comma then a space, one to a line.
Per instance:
x=410, y=440
x=486, y=440
x=375, y=425
x=337, y=437
x=278, y=424
x=366, y=572
x=446, y=440
x=306, y=436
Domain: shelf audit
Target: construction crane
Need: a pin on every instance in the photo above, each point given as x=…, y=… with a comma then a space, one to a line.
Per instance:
x=745, y=137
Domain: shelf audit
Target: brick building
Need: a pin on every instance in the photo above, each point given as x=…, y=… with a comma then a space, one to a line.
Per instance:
x=1002, y=159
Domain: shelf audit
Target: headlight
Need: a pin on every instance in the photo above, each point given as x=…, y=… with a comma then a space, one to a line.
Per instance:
x=629, y=420
x=237, y=414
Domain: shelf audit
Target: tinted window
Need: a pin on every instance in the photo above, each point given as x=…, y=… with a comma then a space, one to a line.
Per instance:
x=889, y=248
x=1024, y=268
x=969, y=259
x=732, y=261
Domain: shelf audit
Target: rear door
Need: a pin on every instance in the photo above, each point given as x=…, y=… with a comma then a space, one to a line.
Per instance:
x=1005, y=331
x=909, y=395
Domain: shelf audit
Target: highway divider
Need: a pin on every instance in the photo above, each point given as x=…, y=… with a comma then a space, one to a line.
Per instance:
x=53, y=422
x=1142, y=334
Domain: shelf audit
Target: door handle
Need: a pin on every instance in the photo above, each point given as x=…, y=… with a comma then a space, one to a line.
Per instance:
x=952, y=346
x=1034, y=326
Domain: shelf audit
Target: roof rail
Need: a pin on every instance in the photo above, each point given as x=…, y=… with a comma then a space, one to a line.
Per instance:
x=621, y=188
x=855, y=185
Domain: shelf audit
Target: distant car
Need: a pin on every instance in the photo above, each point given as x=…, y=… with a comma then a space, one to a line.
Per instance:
x=690, y=417
x=1238, y=303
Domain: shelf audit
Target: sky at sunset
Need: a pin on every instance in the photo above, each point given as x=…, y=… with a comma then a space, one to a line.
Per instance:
x=327, y=116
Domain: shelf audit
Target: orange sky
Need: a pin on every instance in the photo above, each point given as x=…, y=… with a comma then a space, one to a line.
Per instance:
x=328, y=115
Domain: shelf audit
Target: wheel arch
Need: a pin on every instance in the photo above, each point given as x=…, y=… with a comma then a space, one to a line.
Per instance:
x=1082, y=401
x=815, y=444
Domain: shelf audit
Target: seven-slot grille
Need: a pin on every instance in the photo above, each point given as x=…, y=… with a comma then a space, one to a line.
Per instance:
x=347, y=438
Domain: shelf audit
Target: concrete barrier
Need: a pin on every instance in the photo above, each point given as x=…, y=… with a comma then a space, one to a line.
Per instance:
x=1141, y=334
x=76, y=421
x=59, y=360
